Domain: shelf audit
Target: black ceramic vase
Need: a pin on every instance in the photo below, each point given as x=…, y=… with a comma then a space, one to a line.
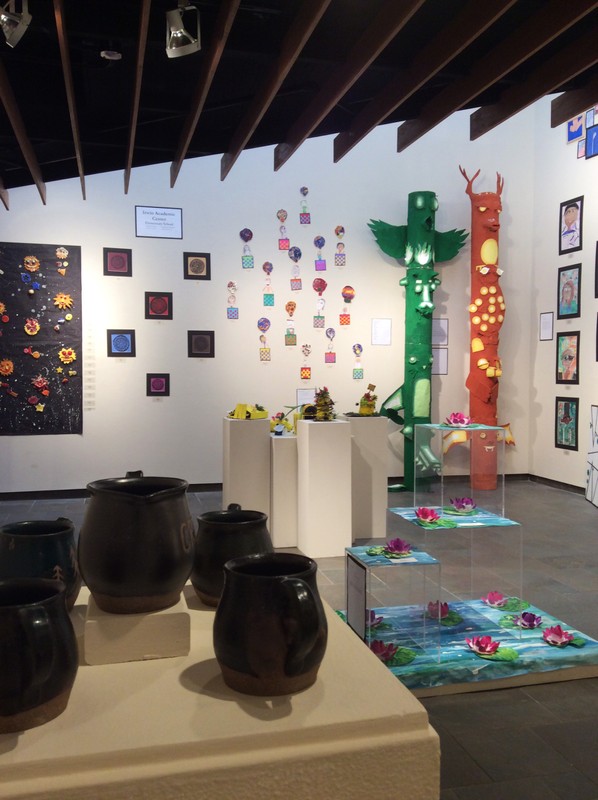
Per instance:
x=270, y=629
x=221, y=536
x=41, y=548
x=136, y=543
x=38, y=653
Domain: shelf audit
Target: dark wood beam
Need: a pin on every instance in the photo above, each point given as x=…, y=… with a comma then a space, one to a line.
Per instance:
x=139, y=62
x=67, y=73
x=570, y=104
x=302, y=27
x=461, y=31
x=392, y=17
x=531, y=36
x=562, y=67
x=3, y=195
x=224, y=22
x=16, y=120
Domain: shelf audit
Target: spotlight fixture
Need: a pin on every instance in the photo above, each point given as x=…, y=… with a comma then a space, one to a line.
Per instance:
x=14, y=23
x=180, y=42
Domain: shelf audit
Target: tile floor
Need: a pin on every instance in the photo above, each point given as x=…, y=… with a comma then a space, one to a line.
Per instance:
x=532, y=743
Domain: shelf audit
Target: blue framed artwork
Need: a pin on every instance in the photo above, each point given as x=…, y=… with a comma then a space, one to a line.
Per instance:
x=121, y=343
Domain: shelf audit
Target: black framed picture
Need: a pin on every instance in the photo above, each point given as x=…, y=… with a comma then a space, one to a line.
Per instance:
x=567, y=351
x=197, y=266
x=158, y=384
x=121, y=343
x=200, y=344
x=569, y=294
x=118, y=262
x=592, y=141
x=158, y=305
x=566, y=419
x=570, y=225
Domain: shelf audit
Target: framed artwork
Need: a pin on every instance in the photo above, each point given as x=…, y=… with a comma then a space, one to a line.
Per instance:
x=575, y=128
x=197, y=267
x=158, y=223
x=567, y=350
x=571, y=224
x=546, y=326
x=158, y=305
x=592, y=465
x=200, y=344
x=440, y=332
x=596, y=273
x=158, y=384
x=440, y=361
x=121, y=343
x=581, y=148
x=118, y=262
x=569, y=296
x=566, y=418
x=592, y=141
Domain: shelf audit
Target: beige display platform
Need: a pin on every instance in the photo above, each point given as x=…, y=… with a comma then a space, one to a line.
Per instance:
x=172, y=729
x=246, y=464
x=283, y=495
x=369, y=476
x=113, y=638
x=324, y=487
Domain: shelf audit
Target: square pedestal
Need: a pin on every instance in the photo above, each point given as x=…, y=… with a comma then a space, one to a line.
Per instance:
x=283, y=502
x=369, y=476
x=246, y=464
x=116, y=638
x=324, y=487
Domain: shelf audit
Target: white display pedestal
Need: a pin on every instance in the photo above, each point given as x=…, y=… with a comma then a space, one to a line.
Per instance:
x=324, y=488
x=172, y=728
x=246, y=464
x=369, y=476
x=283, y=496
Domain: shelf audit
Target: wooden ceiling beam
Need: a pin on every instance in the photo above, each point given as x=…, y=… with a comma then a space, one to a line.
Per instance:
x=461, y=31
x=540, y=29
x=69, y=88
x=302, y=27
x=392, y=17
x=226, y=16
x=562, y=67
x=16, y=120
x=4, y=195
x=139, y=62
x=570, y=104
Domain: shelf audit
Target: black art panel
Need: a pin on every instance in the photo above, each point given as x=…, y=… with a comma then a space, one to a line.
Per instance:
x=41, y=358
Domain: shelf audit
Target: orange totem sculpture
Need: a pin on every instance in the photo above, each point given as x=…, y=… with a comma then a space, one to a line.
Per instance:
x=487, y=312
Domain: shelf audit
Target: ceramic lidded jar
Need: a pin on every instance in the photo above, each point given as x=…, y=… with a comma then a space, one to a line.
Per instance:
x=41, y=548
x=136, y=543
x=222, y=535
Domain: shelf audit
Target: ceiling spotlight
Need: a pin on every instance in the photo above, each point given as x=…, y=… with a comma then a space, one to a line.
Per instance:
x=180, y=42
x=14, y=23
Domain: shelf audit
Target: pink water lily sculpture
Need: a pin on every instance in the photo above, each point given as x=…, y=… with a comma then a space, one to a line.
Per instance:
x=457, y=418
x=495, y=599
x=528, y=620
x=483, y=645
x=438, y=610
x=463, y=504
x=426, y=514
x=384, y=651
x=398, y=547
x=373, y=621
x=556, y=636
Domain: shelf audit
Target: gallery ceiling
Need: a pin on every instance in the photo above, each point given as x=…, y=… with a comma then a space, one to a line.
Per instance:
x=273, y=72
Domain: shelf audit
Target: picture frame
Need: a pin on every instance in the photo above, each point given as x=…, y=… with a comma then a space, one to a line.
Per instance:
x=154, y=222
x=571, y=224
x=569, y=292
x=596, y=273
x=566, y=423
x=440, y=331
x=158, y=305
x=575, y=128
x=158, y=384
x=591, y=148
x=546, y=328
x=200, y=344
x=121, y=343
x=567, y=357
x=440, y=361
x=118, y=262
x=197, y=266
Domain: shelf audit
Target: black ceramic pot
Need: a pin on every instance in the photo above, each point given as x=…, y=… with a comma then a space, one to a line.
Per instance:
x=136, y=543
x=270, y=629
x=38, y=653
x=41, y=548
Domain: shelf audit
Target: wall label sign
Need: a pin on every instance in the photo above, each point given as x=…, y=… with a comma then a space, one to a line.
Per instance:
x=158, y=223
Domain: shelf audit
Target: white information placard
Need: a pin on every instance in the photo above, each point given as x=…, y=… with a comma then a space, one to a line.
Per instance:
x=158, y=223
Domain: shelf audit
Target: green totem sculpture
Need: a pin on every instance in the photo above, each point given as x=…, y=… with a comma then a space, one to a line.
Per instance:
x=418, y=245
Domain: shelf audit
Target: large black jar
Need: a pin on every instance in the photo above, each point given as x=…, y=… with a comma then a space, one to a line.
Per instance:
x=222, y=535
x=136, y=543
x=38, y=653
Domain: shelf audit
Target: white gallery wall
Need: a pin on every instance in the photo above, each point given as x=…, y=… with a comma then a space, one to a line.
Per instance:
x=181, y=435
